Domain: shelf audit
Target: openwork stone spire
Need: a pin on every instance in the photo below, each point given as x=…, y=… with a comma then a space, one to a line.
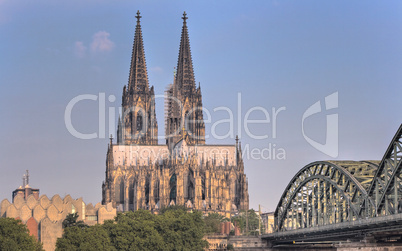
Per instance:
x=138, y=123
x=138, y=79
x=141, y=174
x=184, y=109
x=185, y=81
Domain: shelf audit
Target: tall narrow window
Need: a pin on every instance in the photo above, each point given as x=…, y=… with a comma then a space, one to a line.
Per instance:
x=156, y=191
x=119, y=191
x=172, y=183
x=131, y=192
x=186, y=121
x=237, y=193
x=190, y=185
x=147, y=190
x=203, y=188
x=149, y=119
x=189, y=123
x=139, y=121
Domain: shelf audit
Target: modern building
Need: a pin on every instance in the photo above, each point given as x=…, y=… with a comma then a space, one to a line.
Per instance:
x=268, y=222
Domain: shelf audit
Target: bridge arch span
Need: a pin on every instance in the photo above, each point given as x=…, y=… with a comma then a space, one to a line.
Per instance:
x=326, y=192
x=386, y=188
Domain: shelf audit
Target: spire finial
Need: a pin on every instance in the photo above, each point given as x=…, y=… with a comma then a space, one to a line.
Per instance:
x=184, y=17
x=27, y=177
x=138, y=17
x=137, y=61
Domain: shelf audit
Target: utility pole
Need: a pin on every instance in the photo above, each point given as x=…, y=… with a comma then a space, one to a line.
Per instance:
x=259, y=218
x=246, y=222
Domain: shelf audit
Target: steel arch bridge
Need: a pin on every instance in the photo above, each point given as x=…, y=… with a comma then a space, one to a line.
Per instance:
x=335, y=193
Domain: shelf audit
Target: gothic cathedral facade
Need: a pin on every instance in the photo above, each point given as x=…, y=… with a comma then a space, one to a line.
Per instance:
x=142, y=174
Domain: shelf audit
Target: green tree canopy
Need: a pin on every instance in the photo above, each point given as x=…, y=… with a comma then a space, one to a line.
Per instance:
x=71, y=220
x=213, y=222
x=182, y=230
x=173, y=229
x=240, y=221
x=15, y=236
x=135, y=231
x=92, y=238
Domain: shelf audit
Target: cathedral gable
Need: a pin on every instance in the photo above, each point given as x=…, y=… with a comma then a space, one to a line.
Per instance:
x=142, y=174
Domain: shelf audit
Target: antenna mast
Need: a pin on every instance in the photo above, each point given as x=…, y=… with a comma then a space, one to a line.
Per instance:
x=27, y=177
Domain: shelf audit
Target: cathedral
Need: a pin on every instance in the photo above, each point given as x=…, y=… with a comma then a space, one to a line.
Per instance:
x=142, y=174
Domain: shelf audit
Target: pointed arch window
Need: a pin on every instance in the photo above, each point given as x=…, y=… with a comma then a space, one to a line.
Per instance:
x=129, y=118
x=237, y=193
x=203, y=188
x=188, y=125
x=173, y=191
x=131, y=192
x=149, y=119
x=147, y=190
x=139, y=121
x=119, y=191
x=156, y=191
x=190, y=186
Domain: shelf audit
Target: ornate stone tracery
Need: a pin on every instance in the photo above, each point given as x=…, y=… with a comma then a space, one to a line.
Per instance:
x=140, y=174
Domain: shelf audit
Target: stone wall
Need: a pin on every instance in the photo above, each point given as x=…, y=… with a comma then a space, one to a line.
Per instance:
x=220, y=242
x=361, y=246
x=44, y=216
x=246, y=243
x=217, y=242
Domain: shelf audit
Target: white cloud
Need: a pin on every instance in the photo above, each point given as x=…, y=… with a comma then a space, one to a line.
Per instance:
x=101, y=42
x=79, y=49
x=156, y=69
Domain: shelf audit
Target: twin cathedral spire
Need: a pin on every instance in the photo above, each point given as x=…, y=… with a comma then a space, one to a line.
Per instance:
x=185, y=171
x=184, y=116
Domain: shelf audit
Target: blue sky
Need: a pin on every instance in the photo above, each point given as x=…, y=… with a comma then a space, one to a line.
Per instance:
x=287, y=54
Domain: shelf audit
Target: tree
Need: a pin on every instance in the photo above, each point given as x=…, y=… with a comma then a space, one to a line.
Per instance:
x=15, y=236
x=91, y=238
x=182, y=230
x=213, y=222
x=135, y=231
x=173, y=229
x=172, y=208
x=253, y=222
x=71, y=220
x=240, y=221
x=79, y=236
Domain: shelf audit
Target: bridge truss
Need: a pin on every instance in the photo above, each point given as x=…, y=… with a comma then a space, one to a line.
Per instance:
x=336, y=192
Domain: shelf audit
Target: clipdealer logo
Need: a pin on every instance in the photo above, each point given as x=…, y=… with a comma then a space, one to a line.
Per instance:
x=330, y=147
x=269, y=118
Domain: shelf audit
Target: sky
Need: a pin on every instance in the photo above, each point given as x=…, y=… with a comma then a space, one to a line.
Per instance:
x=279, y=74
